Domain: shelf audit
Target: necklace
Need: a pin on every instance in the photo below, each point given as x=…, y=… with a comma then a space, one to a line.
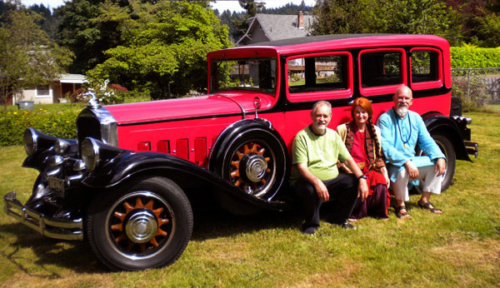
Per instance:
x=401, y=135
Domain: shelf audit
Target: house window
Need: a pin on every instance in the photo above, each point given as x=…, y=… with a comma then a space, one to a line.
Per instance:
x=43, y=91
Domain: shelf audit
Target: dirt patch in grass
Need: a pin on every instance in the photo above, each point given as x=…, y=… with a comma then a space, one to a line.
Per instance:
x=482, y=256
x=331, y=278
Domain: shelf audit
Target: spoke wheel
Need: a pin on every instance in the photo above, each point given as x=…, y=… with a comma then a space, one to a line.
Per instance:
x=254, y=161
x=140, y=229
x=251, y=166
x=145, y=226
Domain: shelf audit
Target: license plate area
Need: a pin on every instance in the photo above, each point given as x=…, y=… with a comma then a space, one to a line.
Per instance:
x=56, y=184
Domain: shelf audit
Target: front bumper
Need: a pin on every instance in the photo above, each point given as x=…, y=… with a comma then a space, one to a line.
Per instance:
x=53, y=228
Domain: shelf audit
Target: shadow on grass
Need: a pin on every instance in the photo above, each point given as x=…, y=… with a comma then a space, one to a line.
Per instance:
x=219, y=223
x=73, y=255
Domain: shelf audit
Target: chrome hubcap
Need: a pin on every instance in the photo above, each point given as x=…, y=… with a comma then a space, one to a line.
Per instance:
x=141, y=227
x=255, y=167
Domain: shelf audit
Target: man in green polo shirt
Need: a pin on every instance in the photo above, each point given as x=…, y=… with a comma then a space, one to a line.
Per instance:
x=315, y=176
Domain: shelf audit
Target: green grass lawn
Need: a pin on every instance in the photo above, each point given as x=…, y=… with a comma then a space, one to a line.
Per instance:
x=460, y=248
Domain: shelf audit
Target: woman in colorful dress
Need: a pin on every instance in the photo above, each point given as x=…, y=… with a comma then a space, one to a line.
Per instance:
x=362, y=139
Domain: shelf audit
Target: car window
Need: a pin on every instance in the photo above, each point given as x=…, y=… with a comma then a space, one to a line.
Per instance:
x=426, y=68
x=318, y=73
x=381, y=68
x=244, y=74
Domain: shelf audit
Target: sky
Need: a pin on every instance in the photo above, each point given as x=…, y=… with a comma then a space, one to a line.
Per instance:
x=222, y=5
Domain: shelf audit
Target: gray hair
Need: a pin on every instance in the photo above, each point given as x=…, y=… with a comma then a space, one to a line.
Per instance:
x=321, y=103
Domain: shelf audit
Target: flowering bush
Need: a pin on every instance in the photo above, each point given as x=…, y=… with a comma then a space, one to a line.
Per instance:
x=13, y=123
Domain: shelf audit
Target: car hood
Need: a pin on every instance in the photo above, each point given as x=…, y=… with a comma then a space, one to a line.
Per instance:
x=227, y=103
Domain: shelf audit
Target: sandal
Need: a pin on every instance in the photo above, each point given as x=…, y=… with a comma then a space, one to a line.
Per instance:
x=430, y=206
x=402, y=215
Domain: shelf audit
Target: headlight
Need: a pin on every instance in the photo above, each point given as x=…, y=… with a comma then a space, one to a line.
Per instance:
x=30, y=141
x=90, y=153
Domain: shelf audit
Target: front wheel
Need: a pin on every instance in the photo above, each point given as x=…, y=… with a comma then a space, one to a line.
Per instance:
x=145, y=226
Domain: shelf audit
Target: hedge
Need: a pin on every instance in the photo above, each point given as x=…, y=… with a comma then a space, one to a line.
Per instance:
x=14, y=123
x=471, y=57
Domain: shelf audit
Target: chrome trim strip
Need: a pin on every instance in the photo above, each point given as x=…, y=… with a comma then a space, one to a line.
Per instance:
x=52, y=228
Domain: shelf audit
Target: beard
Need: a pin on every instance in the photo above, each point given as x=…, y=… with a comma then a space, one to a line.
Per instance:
x=321, y=128
x=402, y=110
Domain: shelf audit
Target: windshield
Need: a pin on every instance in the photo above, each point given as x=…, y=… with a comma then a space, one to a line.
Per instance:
x=256, y=74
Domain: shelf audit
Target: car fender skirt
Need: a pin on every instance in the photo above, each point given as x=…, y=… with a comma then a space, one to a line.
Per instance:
x=131, y=164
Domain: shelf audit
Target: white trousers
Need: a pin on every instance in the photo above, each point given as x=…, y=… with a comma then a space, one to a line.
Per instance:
x=432, y=182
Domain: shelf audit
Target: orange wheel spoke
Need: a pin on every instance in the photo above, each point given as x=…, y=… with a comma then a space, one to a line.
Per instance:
x=153, y=242
x=254, y=148
x=261, y=152
x=117, y=227
x=162, y=221
x=235, y=174
x=237, y=183
x=158, y=211
x=138, y=203
x=120, y=238
x=128, y=207
x=239, y=154
x=267, y=159
x=235, y=164
x=161, y=232
x=143, y=247
x=150, y=205
x=246, y=150
x=120, y=216
x=263, y=181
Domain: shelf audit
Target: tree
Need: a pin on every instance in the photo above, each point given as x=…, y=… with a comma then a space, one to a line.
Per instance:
x=87, y=38
x=28, y=56
x=488, y=30
x=338, y=17
x=252, y=7
x=164, y=44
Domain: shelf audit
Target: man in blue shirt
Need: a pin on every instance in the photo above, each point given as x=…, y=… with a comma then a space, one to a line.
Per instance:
x=401, y=131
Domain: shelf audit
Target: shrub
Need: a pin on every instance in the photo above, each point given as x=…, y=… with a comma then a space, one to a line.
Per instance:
x=58, y=123
x=472, y=57
x=477, y=96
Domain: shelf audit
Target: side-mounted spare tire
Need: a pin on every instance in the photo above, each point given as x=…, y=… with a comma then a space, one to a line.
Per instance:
x=253, y=159
x=145, y=225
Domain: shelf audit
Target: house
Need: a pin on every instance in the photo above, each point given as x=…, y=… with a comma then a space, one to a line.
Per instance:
x=270, y=27
x=54, y=92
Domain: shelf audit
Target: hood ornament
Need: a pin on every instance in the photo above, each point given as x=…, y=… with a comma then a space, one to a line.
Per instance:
x=93, y=102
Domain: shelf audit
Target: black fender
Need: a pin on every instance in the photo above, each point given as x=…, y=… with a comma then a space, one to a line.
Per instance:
x=128, y=165
x=238, y=130
x=233, y=130
x=438, y=123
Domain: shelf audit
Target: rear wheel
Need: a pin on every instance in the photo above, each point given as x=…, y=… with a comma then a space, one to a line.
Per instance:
x=255, y=162
x=449, y=152
x=146, y=226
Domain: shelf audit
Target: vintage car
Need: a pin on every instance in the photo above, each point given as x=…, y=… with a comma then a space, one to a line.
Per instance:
x=127, y=182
